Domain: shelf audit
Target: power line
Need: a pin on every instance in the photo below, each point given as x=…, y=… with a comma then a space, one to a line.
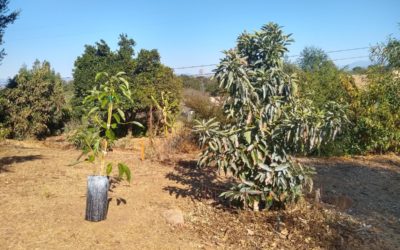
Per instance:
x=328, y=52
x=196, y=66
x=337, y=59
x=337, y=51
x=347, y=58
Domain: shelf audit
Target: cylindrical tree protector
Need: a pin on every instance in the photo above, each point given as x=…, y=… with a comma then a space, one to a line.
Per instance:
x=97, y=198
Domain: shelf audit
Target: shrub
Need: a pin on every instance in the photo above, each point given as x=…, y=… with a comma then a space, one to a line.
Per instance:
x=33, y=102
x=377, y=124
x=203, y=107
x=4, y=132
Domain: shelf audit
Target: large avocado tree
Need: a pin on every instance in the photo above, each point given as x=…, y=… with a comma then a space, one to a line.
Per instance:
x=268, y=122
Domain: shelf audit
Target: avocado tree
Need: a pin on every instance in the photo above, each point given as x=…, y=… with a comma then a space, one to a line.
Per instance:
x=104, y=115
x=267, y=122
x=31, y=104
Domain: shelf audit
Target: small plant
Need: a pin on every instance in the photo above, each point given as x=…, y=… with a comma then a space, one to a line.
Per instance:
x=168, y=107
x=103, y=117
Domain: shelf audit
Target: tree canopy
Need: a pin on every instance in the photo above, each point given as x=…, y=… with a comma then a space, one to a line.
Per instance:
x=6, y=18
x=267, y=122
x=148, y=77
x=33, y=101
x=312, y=58
x=387, y=53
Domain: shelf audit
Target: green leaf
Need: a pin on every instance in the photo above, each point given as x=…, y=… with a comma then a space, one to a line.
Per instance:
x=110, y=134
x=281, y=167
x=137, y=124
x=116, y=117
x=109, y=168
x=121, y=113
x=93, y=110
x=91, y=158
x=104, y=102
x=100, y=75
x=123, y=169
x=247, y=136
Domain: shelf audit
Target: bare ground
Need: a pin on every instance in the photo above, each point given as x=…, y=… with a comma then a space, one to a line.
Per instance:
x=42, y=204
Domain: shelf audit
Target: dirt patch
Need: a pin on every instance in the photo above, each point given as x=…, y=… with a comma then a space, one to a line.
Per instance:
x=42, y=205
x=365, y=187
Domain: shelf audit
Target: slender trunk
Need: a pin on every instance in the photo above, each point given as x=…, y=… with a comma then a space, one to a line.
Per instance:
x=150, y=122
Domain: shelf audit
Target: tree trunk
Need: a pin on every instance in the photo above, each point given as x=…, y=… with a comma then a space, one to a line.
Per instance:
x=150, y=122
x=97, y=198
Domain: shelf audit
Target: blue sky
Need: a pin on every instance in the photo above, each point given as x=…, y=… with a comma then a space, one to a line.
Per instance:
x=188, y=32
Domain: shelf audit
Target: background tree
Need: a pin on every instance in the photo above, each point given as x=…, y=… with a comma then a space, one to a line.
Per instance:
x=147, y=75
x=5, y=19
x=197, y=83
x=358, y=70
x=377, y=125
x=268, y=121
x=312, y=58
x=99, y=58
x=151, y=78
x=320, y=80
x=33, y=102
x=387, y=53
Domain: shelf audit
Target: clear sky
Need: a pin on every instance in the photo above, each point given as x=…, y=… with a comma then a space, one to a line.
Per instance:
x=189, y=32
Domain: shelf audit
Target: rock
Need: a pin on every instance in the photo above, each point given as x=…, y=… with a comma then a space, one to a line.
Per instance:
x=250, y=232
x=174, y=217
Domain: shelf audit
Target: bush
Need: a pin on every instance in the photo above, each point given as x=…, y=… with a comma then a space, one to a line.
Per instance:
x=377, y=124
x=201, y=83
x=33, y=102
x=4, y=132
x=203, y=106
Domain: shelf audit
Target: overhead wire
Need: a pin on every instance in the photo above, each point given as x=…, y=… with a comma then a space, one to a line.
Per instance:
x=291, y=56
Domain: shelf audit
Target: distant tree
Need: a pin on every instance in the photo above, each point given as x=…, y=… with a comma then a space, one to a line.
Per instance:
x=323, y=84
x=147, y=61
x=5, y=19
x=147, y=75
x=198, y=82
x=377, y=124
x=150, y=79
x=126, y=46
x=312, y=58
x=387, y=53
x=99, y=58
x=33, y=102
x=359, y=70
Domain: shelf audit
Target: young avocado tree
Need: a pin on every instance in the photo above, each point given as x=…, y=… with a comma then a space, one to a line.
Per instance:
x=104, y=115
x=267, y=122
x=168, y=108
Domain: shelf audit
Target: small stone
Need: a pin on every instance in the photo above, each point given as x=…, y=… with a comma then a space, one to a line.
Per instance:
x=174, y=217
x=250, y=232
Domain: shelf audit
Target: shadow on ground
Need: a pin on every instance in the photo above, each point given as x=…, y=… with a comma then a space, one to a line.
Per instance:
x=196, y=183
x=368, y=189
x=6, y=162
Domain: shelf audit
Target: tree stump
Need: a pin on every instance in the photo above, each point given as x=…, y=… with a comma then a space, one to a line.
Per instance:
x=97, y=198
